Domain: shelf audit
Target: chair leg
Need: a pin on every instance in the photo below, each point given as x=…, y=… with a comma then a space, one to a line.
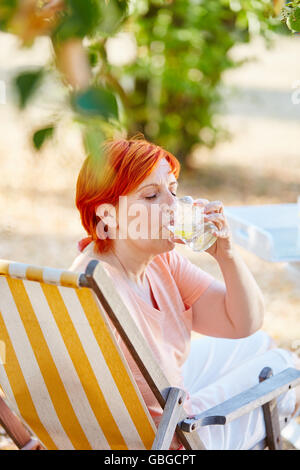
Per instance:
x=271, y=417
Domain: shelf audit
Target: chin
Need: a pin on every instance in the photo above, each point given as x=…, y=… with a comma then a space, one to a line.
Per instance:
x=165, y=245
x=156, y=247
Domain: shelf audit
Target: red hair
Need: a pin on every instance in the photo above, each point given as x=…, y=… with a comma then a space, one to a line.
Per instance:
x=123, y=165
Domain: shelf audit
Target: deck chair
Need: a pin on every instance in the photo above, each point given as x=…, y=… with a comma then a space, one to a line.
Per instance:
x=66, y=381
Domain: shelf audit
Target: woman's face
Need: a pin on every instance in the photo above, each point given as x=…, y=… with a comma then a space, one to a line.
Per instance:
x=142, y=215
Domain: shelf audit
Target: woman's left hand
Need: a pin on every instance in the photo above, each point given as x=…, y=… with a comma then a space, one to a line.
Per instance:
x=214, y=212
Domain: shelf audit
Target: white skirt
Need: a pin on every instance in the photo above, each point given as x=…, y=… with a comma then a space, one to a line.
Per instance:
x=218, y=368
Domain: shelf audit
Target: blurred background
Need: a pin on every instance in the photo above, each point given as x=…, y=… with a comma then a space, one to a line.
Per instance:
x=216, y=83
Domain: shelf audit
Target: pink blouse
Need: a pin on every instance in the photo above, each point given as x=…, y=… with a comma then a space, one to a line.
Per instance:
x=176, y=284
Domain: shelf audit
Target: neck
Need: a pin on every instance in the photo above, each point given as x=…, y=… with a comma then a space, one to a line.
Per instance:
x=133, y=261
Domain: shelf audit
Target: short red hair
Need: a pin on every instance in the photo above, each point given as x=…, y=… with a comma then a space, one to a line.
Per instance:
x=123, y=165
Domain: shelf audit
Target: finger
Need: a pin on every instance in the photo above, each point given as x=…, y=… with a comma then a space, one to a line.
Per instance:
x=214, y=206
x=216, y=218
x=214, y=215
x=218, y=225
x=200, y=202
x=224, y=233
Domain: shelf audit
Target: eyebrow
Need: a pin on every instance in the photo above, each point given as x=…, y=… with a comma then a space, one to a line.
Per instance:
x=155, y=184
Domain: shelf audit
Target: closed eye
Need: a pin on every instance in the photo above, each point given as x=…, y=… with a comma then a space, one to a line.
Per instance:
x=154, y=196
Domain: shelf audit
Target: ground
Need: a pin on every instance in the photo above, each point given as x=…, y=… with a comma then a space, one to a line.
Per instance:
x=260, y=164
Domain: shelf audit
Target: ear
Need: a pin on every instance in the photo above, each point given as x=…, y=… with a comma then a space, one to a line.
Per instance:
x=107, y=213
x=102, y=231
x=106, y=227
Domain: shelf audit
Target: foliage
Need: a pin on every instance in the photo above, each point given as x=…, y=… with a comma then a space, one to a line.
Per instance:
x=96, y=101
x=68, y=23
x=86, y=18
x=184, y=49
x=170, y=91
x=41, y=135
x=291, y=15
x=26, y=83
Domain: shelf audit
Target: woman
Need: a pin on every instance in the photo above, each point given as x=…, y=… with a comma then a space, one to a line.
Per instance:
x=169, y=296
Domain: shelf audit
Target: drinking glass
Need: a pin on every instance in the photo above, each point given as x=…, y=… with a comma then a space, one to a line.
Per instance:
x=189, y=225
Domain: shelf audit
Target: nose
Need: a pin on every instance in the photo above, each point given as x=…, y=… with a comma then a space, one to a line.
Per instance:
x=170, y=200
x=168, y=208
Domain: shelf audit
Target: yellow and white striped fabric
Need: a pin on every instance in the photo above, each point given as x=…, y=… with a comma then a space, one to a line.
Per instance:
x=64, y=373
x=54, y=276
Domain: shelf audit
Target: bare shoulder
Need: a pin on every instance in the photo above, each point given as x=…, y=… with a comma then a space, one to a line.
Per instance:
x=80, y=263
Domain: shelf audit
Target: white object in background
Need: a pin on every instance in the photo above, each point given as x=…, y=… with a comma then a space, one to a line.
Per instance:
x=298, y=221
x=292, y=433
x=269, y=230
x=121, y=49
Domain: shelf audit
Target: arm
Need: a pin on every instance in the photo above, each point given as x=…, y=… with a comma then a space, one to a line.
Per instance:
x=234, y=309
x=231, y=310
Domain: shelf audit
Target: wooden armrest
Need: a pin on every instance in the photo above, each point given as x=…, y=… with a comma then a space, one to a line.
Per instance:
x=244, y=402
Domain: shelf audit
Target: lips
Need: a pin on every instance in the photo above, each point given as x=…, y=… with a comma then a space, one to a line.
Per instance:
x=169, y=227
x=171, y=221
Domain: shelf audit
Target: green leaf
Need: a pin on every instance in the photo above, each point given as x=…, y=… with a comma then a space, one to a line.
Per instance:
x=93, y=137
x=7, y=10
x=26, y=83
x=82, y=17
x=93, y=57
x=96, y=101
x=293, y=21
x=41, y=135
x=87, y=17
x=113, y=13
